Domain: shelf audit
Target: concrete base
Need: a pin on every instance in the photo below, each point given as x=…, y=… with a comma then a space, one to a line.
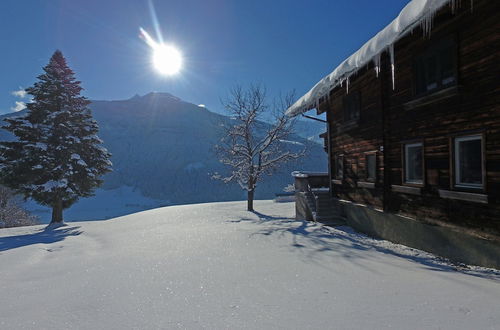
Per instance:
x=302, y=210
x=454, y=245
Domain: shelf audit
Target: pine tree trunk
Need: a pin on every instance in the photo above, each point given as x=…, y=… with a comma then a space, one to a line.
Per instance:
x=57, y=211
x=250, y=200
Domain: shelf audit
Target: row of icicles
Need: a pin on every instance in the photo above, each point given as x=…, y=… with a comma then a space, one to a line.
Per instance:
x=426, y=23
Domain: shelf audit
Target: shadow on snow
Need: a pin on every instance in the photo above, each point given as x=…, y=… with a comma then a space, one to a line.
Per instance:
x=48, y=235
x=312, y=238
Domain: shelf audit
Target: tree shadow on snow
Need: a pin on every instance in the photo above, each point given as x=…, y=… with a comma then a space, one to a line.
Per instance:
x=314, y=240
x=48, y=235
x=262, y=217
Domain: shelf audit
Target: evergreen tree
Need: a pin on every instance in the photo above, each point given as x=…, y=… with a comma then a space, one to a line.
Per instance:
x=57, y=157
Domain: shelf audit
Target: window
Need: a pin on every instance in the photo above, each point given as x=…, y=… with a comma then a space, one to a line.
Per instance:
x=371, y=167
x=352, y=104
x=413, y=163
x=469, y=161
x=339, y=167
x=324, y=136
x=436, y=68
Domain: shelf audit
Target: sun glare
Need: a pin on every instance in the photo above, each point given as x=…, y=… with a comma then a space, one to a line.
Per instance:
x=166, y=59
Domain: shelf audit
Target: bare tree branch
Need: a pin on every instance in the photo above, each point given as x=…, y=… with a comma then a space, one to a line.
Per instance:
x=250, y=147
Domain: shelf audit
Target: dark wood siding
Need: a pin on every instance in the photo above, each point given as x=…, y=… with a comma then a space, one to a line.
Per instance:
x=354, y=139
x=389, y=118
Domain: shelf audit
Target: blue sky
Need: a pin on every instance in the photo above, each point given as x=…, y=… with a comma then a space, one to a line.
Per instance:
x=282, y=44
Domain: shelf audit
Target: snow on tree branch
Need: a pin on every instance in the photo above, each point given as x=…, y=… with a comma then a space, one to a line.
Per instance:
x=57, y=156
x=251, y=147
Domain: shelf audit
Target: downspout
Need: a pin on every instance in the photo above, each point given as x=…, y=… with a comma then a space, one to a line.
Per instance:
x=385, y=105
x=330, y=152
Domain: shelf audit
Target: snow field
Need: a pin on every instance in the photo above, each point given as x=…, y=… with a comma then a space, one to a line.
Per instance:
x=217, y=266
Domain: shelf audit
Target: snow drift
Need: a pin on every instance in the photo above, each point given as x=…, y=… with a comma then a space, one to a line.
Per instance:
x=217, y=266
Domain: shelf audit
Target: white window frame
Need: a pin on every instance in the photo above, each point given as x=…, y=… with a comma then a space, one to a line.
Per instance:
x=406, y=147
x=456, y=144
x=374, y=154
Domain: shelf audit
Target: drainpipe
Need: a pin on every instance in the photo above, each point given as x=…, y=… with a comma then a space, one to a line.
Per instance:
x=329, y=149
x=385, y=104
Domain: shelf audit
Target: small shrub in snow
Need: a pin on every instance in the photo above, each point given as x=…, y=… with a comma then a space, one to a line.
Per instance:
x=11, y=213
x=289, y=188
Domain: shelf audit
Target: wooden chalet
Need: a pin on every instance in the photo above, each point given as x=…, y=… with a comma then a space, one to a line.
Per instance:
x=413, y=134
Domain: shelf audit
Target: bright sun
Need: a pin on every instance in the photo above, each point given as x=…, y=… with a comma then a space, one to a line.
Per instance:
x=167, y=59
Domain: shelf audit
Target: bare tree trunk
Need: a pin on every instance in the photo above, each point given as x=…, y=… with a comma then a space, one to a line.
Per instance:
x=57, y=211
x=250, y=200
x=246, y=147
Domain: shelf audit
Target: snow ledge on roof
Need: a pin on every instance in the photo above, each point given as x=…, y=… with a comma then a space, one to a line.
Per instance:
x=415, y=13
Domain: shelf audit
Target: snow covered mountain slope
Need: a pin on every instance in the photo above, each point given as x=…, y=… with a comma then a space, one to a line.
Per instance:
x=310, y=129
x=162, y=147
x=216, y=266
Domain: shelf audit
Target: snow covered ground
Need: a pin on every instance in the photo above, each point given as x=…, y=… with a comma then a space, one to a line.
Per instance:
x=217, y=266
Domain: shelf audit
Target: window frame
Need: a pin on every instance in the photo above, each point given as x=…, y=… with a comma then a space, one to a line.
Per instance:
x=404, y=169
x=367, y=178
x=336, y=169
x=455, y=163
x=348, y=99
x=434, y=49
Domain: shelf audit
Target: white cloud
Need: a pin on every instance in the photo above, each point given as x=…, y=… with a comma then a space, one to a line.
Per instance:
x=201, y=105
x=19, y=106
x=21, y=93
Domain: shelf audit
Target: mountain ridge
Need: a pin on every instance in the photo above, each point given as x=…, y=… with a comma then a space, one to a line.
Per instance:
x=162, y=147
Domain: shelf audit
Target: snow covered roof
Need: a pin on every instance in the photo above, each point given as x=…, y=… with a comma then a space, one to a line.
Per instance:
x=415, y=13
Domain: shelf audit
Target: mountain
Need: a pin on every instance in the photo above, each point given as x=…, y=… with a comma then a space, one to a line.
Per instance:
x=162, y=147
x=310, y=129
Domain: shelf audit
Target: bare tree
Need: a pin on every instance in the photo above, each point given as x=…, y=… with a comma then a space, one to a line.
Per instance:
x=251, y=147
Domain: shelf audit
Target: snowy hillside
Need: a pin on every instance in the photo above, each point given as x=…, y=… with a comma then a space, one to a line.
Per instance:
x=310, y=129
x=105, y=204
x=216, y=266
x=162, y=150
x=164, y=147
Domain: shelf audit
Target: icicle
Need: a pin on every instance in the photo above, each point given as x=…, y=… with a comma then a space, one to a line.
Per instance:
x=391, y=53
x=471, y=6
x=376, y=63
x=455, y=4
x=426, y=23
x=347, y=84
